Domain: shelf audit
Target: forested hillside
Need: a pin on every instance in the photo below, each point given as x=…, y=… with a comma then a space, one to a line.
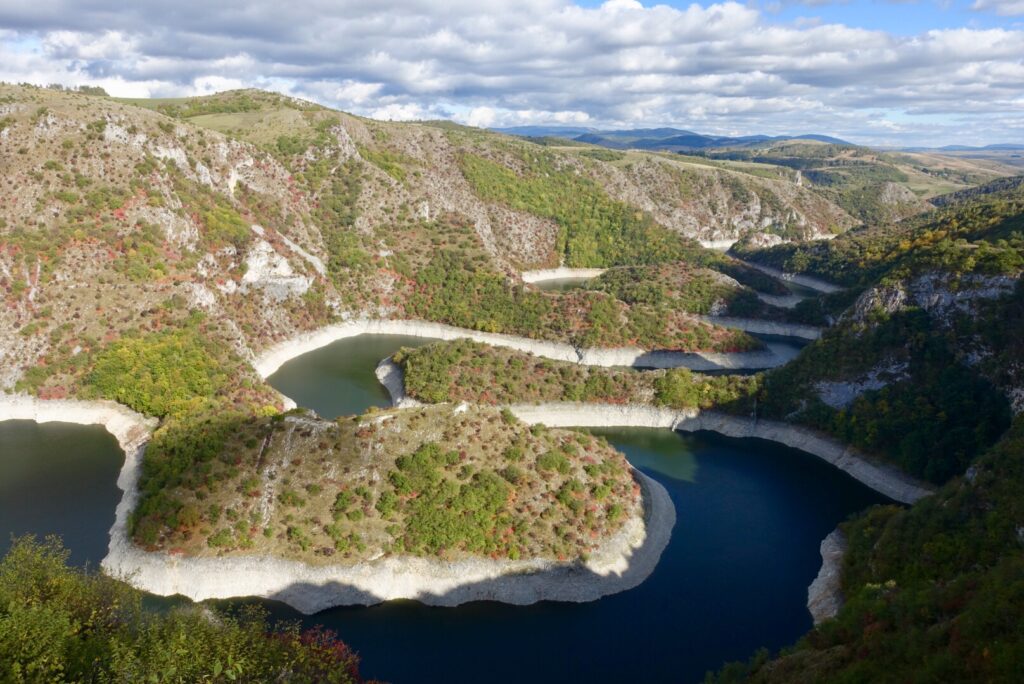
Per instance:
x=926, y=368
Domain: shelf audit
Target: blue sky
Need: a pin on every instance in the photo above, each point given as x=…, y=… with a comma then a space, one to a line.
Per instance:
x=906, y=17
x=875, y=72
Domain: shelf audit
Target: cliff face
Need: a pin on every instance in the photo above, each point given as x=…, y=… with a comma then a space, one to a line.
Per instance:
x=978, y=313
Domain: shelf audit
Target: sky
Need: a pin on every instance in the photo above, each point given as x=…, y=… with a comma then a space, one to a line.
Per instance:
x=879, y=72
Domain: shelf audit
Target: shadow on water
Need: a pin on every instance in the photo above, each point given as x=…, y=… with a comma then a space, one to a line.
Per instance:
x=750, y=516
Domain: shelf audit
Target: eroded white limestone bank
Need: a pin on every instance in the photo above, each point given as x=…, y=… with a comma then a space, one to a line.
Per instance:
x=560, y=273
x=882, y=478
x=797, y=278
x=763, y=327
x=272, y=359
x=719, y=245
x=782, y=301
x=130, y=429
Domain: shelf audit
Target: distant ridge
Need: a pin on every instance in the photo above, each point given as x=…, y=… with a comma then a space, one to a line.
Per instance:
x=545, y=131
x=673, y=139
x=998, y=147
x=998, y=185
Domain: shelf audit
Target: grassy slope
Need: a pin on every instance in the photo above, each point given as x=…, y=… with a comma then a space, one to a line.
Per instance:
x=875, y=187
x=981, y=234
x=469, y=371
x=934, y=592
x=431, y=482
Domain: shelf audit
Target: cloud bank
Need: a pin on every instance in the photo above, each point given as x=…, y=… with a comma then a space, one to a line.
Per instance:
x=725, y=68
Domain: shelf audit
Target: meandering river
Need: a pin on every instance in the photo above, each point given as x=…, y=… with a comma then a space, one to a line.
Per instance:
x=750, y=516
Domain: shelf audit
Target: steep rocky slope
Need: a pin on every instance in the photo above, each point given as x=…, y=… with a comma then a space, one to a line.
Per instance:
x=925, y=366
x=118, y=219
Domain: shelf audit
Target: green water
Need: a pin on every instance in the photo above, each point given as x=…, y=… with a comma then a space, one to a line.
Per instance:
x=338, y=380
x=562, y=284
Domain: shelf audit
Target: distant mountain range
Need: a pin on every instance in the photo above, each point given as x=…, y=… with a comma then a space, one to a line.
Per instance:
x=1000, y=147
x=673, y=139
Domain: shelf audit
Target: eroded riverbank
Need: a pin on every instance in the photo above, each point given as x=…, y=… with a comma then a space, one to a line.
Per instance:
x=273, y=358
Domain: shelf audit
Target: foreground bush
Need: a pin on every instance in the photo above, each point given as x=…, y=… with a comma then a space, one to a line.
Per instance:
x=62, y=624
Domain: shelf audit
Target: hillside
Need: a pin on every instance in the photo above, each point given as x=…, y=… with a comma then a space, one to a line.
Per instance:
x=430, y=482
x=151, y=250
x=874, y=187
x=871, y=186
x=269, y=216
x=141, y=224
x=926, y=368
x=922, y=368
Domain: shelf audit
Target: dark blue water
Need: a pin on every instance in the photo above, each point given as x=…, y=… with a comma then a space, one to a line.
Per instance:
x=750, y=517
x=59, y=478
x=733, y=578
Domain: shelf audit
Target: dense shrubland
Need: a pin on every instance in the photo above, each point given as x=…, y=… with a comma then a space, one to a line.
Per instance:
x=933, y=593
x=594, y=229
x=62, y=624
x=175, y=370
x=430, y=482
x=983, y=235
x=932, y=422
x=464, y=370
x=445, y=277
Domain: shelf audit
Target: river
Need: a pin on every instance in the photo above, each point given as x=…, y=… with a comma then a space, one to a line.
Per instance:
x=750, y=516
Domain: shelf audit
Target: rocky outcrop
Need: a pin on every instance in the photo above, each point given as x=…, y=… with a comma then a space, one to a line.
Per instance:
x=390, y=376
x=825, y=596
x=940, y=294
x=840, y=394
x=273, y=358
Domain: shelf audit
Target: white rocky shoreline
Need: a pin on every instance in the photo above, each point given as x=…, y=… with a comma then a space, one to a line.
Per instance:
x=881, y=477
x=765, y=327
x=824, y=595
x=272, y=359
x=561, y=273
x=797, y=278
x=620, y=563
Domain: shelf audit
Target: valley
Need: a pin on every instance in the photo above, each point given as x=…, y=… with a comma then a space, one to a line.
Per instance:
x=368, y=367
